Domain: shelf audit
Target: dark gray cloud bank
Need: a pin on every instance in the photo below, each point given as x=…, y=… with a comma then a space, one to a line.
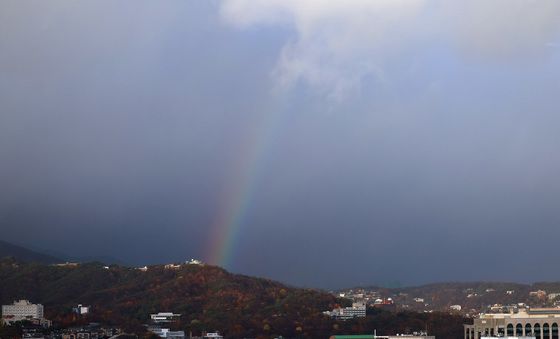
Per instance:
x=394, y=140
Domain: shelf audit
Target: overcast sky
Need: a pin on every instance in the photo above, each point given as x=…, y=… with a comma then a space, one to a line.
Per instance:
x=329, y=143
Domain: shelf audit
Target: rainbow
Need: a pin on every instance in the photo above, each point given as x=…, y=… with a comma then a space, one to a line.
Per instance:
x=237, y=196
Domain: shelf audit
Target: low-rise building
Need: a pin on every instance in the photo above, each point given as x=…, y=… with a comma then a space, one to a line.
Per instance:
x=358, y=310
x=213, y=335
x=164, y=317
x=166, y=333
x=541, y=323
x=81, y=310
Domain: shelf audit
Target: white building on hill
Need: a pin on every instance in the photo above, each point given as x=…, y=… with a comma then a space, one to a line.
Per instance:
x=164, y=317
x=358, y=310
x=166, y=333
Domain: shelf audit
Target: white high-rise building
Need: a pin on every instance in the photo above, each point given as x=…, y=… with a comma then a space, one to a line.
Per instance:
x=21, y=310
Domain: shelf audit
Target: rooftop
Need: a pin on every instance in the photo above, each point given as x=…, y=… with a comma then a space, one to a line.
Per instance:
x=524, y=313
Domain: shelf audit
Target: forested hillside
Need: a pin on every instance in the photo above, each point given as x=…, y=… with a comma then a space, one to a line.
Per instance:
x=208, y=298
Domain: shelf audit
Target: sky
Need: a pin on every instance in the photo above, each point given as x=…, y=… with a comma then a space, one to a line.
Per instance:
x=320, y=143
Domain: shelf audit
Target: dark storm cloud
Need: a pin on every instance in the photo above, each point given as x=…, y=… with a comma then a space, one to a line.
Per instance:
x=117, y=127
x=396, y=154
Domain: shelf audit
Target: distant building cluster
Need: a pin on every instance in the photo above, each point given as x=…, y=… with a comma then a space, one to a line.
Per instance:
x=540, y=294
x=414, y=335
x=370, y=298
x=174, y=266
x=384, y=303
x=161, y=319
x=467, y=301
x=91, y=331
x=165, y=319
x=168, y=334
x=67, y=264
x=188, y=262
x=358, y=310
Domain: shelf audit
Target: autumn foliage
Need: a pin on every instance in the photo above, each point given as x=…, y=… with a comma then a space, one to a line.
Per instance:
x=208, y=298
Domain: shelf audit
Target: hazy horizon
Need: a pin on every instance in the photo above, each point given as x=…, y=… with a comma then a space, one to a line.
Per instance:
x=379, y=283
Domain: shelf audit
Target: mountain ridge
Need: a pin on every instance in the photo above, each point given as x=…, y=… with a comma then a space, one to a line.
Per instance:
x=26, y=255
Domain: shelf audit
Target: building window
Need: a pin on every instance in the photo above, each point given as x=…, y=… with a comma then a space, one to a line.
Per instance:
x=519, y=330
x=537, y=330
x=510, y=330
x=528, y=330
x=501, y=331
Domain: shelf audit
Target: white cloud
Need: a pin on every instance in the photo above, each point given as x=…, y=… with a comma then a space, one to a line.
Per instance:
x=339, y=43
